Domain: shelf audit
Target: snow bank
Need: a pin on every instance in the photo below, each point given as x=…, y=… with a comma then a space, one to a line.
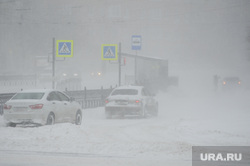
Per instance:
x=183, y=121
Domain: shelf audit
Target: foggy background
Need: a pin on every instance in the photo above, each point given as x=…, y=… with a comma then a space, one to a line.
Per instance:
x=199, y=38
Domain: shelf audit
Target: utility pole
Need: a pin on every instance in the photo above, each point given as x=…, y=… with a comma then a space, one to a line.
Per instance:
x=135, y=67
x=119, y=64
x=53, y=63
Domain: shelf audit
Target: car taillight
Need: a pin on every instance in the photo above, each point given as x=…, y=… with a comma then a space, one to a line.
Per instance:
x=7, y=107
x=106, y=101
x=137, y=101
x=36, y=106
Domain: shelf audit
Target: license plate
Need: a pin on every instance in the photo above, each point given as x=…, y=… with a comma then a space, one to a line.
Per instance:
x=122, y=102
x=20, y=109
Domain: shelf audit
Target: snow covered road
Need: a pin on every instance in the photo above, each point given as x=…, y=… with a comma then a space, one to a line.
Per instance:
x=184, y=121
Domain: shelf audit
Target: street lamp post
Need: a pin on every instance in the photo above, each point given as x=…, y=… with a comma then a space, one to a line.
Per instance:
x=53, y=63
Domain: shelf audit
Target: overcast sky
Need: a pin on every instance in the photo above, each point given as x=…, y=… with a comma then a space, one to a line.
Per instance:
x=191, y=34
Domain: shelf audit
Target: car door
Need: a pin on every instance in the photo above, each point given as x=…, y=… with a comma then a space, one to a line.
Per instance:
x=66, y=107
x=55, y=106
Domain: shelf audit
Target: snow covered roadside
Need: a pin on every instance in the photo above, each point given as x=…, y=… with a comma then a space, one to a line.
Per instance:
x=183, y=122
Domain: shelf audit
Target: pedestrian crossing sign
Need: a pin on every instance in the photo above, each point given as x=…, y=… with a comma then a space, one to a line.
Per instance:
x=64, y=48
x=109, y=52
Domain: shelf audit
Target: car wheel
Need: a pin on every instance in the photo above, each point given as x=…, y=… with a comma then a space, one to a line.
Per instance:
x=51, y=119
x=156, y=110
x=11, y=124
x=78, y=120
x=143, y=113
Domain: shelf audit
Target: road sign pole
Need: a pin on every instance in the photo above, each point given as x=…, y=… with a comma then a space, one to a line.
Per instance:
x=53, y=63
x=119, y=61
x=135, y=67
x=136, y=45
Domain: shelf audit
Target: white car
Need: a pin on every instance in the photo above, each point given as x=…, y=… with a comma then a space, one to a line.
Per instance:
x=41, y=107
x=130, y=100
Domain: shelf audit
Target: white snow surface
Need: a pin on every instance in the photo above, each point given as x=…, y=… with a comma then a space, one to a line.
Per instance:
x=212, y=119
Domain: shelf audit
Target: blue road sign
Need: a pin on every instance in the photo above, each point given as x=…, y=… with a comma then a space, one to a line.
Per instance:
x=64, y=48
x=136, y=42
x=109, y=52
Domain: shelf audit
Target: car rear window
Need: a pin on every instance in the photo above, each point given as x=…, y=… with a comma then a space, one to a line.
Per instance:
x=35, y=96
x=125, y=92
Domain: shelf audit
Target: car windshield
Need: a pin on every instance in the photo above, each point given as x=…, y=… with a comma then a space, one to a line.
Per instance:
x=125, y=92
x=35, y=96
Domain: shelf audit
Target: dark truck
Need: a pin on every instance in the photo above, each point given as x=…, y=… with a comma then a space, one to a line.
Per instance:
x=153, y=74
x=229, y=83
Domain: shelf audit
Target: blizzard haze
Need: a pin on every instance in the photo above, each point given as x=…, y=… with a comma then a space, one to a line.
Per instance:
x=198, y=38
x=193, y=35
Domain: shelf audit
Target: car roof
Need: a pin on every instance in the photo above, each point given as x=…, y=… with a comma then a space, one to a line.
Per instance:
x=36, y=90
x=130, y=87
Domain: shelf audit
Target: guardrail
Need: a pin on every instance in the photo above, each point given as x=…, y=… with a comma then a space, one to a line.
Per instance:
x=3, y=98
x=88, y=98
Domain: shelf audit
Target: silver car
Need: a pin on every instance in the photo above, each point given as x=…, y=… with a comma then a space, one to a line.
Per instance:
x=41, y=107
x=131, y=100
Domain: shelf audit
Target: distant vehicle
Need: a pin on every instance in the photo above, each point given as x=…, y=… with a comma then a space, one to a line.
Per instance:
x=41, y=107
x=131, y=100
x=231, y=82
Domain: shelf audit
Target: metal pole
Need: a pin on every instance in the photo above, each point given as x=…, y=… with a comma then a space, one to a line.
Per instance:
x=119, y=68
x=53, y=64
x=135, y=67
x=85, y=98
